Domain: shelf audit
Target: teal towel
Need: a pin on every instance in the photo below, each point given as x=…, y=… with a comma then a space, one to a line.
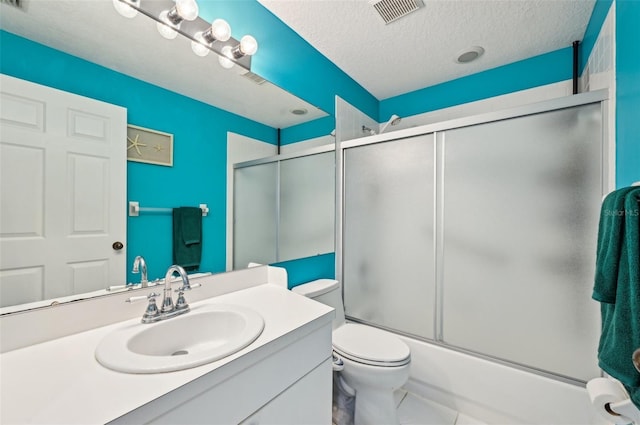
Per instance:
x=617, y=286
x=187, y=237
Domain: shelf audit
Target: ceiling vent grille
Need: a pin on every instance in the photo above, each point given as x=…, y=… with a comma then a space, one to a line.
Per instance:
x=392, y=10
x=15, y=3
x=255, y=78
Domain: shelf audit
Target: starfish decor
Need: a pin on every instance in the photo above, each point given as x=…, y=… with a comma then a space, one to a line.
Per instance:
x=135, y=143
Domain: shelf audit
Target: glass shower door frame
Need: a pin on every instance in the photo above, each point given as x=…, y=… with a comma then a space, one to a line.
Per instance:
x=439, y=131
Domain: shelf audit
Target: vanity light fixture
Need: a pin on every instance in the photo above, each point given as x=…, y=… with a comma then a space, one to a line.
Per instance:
x=248, y=46
x=171, y=19
x=175, y=17
x=125, y=8
x=218, y=31
x=225, y=58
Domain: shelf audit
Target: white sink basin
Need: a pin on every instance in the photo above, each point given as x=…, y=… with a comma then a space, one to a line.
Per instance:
x=203, y=335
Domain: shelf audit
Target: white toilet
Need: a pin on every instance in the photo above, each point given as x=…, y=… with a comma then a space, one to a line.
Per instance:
x=376, y=363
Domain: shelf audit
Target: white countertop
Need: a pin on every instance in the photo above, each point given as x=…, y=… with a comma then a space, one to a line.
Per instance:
x=61, y=382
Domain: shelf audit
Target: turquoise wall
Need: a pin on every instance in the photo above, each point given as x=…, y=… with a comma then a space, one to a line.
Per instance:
x=627, y=92
x=533, y=72
x=198, y=174
x=304, y=270
x=547, y=68
x=288, y=61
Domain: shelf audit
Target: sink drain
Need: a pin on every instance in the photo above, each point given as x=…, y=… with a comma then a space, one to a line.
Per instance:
x=180, y=353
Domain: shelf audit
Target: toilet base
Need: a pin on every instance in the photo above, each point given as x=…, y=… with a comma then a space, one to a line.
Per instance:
x=375, y=408
x=374, y=387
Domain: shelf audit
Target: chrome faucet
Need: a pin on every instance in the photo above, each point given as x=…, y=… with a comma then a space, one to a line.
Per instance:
x=167, y=301
x=167, y=309
x=140, y=265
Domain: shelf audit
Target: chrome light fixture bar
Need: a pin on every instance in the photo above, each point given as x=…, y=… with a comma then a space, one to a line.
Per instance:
x=181, y=17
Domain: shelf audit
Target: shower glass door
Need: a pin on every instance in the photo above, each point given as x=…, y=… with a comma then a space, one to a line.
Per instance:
x=284, y=207
x=389, y=234
x=481, y=236
x=521, y=208
x=307, y=206
x=255, y=213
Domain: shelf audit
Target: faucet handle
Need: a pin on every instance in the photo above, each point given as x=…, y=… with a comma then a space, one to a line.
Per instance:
x=151, y=314
x=181, y=303
x=189, y=287
x=142, y=297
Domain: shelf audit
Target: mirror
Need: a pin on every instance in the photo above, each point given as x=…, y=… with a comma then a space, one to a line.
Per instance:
x=174, y=91
x=284, y=208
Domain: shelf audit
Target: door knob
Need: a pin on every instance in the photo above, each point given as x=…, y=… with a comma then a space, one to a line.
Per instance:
x=117, y=245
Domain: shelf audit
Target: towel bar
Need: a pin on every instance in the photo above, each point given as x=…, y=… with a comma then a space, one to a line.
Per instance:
x=135, y=209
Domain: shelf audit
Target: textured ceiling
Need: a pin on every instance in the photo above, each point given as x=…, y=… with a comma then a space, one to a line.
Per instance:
x=413, y=52
x=419, y=50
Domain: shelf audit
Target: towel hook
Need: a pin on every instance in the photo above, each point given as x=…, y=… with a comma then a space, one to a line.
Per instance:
x=635, y=357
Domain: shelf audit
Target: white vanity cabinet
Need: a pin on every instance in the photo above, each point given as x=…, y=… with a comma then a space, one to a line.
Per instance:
x=289, y=386
x=305, y=402
x=283, y=377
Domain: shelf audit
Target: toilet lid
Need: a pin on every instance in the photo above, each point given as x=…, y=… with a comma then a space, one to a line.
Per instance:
x=369, y=345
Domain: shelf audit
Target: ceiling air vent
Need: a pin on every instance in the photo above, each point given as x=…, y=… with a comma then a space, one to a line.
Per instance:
x=392, y=10
x=15, y=3
x=255, y=78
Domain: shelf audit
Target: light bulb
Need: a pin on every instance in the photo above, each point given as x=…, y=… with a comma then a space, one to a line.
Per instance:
x=199, y=45
x=165, y=28
x=248, y=45
x=187, y=9
x=221, y=30
x=224, y=60
x=124, y=8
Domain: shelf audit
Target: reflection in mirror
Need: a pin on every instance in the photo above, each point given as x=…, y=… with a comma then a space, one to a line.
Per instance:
x=87, y=48
x=284, y=207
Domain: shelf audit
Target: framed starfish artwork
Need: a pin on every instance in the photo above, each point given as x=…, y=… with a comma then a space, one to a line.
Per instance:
x=149, y=146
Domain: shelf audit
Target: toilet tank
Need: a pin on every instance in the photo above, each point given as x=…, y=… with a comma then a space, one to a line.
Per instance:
x=326, y=291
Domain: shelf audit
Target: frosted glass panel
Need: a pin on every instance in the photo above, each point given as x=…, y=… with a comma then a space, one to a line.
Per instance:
x=521, y=206
x=388, y=252
x=255, y=215
x=307, y=206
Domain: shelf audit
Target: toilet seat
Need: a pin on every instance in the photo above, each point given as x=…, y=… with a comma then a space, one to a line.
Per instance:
x=370, y=346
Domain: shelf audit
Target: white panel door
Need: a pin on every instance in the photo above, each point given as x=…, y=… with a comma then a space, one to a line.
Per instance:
x=62, y=193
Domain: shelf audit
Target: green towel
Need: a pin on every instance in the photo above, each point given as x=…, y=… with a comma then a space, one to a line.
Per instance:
x=617, y=286
x=187, y=237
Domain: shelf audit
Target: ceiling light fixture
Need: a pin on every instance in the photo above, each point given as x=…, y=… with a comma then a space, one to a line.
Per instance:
x=175, y=17
x=469, y=55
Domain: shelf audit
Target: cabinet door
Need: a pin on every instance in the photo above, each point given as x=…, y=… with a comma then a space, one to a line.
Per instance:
x=308, y=402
